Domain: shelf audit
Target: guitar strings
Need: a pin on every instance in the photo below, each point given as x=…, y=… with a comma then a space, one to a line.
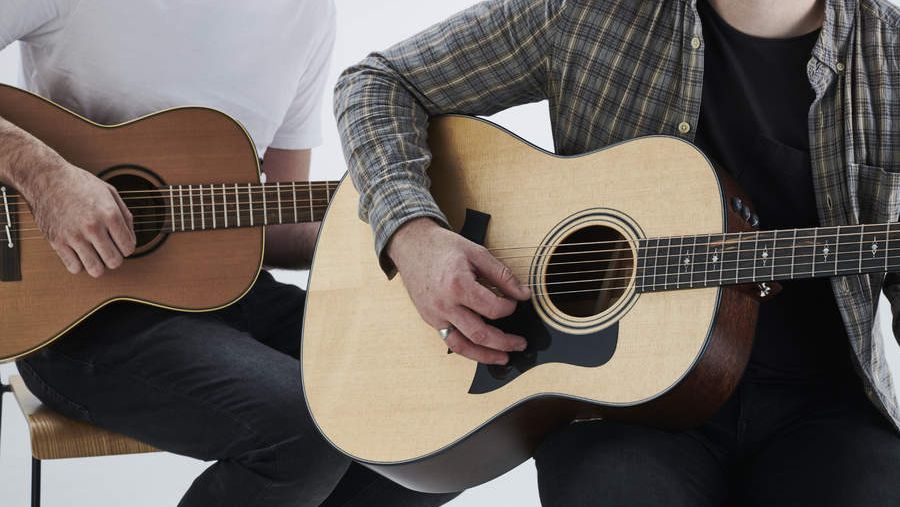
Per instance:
x=217, y=187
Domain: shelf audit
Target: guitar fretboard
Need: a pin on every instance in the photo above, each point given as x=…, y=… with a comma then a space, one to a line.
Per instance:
x=747, y=257
x=231, y=205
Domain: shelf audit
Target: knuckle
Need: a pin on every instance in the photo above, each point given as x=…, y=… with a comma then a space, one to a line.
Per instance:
x=480, y=336
x=504, y=273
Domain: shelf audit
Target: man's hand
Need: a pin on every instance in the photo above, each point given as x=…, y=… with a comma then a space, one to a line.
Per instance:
x=83, y=218
x=440, y=270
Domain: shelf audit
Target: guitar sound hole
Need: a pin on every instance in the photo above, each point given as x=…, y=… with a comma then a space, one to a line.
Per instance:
x=139, y=189
x=589, y=271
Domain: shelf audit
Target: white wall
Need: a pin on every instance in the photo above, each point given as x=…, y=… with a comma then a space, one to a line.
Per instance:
x=160, y=479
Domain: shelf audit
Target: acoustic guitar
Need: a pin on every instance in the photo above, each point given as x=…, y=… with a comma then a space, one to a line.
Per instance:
x=646, y=274
x=190, y=176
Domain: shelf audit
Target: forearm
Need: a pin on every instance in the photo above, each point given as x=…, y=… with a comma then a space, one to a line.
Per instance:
x=485, y=59
x=25, y=161
x=290, y=246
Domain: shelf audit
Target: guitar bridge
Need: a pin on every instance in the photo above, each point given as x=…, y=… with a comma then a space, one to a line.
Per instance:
x=10, y=256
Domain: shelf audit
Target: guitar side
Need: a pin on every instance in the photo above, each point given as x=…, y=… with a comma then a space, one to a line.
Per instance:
x=188, y=271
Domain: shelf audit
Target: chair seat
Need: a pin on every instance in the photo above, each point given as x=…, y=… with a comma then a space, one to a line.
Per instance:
x=54, y=436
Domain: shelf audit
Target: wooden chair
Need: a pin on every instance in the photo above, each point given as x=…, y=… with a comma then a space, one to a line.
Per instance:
x=54, y=436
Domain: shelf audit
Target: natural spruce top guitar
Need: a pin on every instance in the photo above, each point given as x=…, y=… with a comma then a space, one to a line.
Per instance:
x=645, y=273
x=190, y=177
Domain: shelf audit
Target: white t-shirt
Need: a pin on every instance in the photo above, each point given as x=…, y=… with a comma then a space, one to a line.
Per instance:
x=262, y=62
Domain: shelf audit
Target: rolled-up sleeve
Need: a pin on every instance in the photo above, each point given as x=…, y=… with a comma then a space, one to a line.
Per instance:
x=490, y=57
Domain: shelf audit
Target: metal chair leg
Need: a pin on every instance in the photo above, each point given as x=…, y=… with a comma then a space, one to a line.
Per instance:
x=35, y=482
x=4, y=388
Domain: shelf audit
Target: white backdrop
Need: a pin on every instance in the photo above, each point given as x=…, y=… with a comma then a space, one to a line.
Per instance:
x=160, y=479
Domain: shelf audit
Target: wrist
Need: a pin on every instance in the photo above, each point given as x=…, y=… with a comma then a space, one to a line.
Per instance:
x=407, y=234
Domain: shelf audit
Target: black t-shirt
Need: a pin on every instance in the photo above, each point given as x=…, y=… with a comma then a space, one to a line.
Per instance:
x=754, y=122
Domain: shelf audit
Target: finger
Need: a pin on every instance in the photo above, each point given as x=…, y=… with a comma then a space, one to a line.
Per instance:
x=499, y=274
x=473, y=327
x=483, y=301
x=462, y=346
x=127, y=218
x=88, y=257
x=106, y=247
x=68, y=257
x=122, y=234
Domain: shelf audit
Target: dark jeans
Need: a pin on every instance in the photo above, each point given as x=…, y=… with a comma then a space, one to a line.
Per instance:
x=770, y=445
x=221, y=386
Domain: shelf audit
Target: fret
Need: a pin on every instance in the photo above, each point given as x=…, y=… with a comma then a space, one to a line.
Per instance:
x=873, y=249
x=793, y=253
x=181, y=204
x=737, y=262
x=661, y=268
x=652, y=256
x=815, y=248
x=294, y=199
x=862, y=238
x=265, y=209
x=641, y=274
x=312, y=213
x=716, y=258
x=172, y=205
x=728, y=257
x=212, y=197
x=804, y=253
x=191, y=198
x=783, y=245
x=847, y=249
x=765, y=254
x=278, y=192
x=237, y=205
x=679, y=263
x=224, y=206
x=837, y=246
x=694, y=259
x=667, y=261
x=250, y=202
x=706, y=258
x=887, y=247
x=755, y=255
x=202, y=211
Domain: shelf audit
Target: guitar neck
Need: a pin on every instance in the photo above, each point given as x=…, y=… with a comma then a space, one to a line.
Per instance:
x=233, y=205
x=761, y=256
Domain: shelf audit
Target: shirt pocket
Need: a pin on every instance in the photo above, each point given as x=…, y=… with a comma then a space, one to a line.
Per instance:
x=874, y=193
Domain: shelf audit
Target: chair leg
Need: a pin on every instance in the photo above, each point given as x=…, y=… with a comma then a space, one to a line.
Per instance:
x=35, y=482
x=4, y=388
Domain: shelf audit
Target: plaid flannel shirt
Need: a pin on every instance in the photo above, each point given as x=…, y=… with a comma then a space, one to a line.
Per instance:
x=617, y=69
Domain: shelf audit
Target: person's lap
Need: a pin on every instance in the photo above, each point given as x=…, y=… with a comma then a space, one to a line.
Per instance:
x=769, y=445
x=223, y=386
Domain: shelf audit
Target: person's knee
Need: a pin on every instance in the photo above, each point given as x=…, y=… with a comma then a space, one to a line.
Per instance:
x=612, y=464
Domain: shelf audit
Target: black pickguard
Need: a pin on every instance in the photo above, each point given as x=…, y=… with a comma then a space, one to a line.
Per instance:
x=545, y=343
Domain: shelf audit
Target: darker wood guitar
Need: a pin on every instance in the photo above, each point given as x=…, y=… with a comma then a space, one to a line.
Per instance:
x=190, y=177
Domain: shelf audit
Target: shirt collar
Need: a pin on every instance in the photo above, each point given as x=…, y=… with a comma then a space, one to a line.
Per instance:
x=839, y=18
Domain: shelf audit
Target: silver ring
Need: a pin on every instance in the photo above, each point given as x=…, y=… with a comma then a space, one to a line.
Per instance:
x=445, y=331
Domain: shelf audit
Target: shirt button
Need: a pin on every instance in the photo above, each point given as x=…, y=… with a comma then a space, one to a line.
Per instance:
x=684, y=127
x=840, y=67
x=828, y=203
x=695, y=42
